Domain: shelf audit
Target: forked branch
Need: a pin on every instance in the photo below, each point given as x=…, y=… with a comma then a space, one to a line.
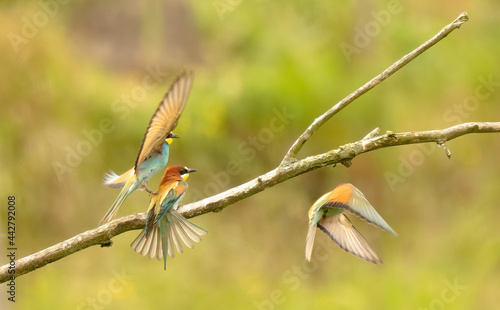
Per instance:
x=289, y=167
x=318, y=122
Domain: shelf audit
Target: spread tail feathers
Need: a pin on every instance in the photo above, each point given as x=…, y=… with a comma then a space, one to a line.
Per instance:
x=166, y=236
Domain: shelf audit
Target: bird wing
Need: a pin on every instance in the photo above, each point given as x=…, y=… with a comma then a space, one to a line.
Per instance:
x=160, y=204
x=165, y=118
x=348, y=197
x=311, y=233
x=151, y=215
x=343, y=233
x=174, y=194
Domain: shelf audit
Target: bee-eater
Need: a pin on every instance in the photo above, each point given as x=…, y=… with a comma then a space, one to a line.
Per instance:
x=327, y=214
x=154, y=151
x=165, y=227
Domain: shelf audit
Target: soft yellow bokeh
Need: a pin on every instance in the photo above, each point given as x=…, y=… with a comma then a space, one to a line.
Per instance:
x=263, y=71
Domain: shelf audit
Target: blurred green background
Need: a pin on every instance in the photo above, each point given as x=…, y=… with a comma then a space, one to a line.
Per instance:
x=67, y=67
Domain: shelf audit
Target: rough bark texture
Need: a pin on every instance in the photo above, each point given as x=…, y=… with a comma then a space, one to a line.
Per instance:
x=318, y=122
x=290, y=167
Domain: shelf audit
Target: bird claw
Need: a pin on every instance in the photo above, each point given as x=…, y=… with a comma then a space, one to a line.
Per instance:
x=150, y=191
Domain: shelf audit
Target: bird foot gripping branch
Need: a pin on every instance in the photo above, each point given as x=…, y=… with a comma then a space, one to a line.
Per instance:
x=155, y=147
x=286, y=171
x=165, y=227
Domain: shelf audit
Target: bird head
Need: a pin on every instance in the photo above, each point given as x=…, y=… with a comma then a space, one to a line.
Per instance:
x=170, y=137
x=176, y=173
x=312, y=213
x=185, y=172
x=316, y=208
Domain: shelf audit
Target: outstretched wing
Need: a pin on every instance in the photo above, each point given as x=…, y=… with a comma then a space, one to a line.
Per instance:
x=348, y=197
x=343, y=233
x=167, y=114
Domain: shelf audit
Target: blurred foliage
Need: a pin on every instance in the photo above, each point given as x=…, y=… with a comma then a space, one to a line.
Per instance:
x=252, y=59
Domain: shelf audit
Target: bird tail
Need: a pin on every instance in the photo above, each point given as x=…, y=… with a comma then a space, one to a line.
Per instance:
x=129, y=187
x=149, y=244
x=166, y=235
x=113, y=180
x=311, y=233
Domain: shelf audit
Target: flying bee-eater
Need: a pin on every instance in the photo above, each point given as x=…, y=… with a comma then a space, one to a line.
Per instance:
x=165, y=227
x=327, y=213
x=154, y=150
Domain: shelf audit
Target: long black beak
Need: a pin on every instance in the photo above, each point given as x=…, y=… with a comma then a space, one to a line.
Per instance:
x=173, y=135
x=191, y=170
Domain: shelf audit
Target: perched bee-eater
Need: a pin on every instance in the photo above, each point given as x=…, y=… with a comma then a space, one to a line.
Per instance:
x=327, y=214
x=154, y=151
x=165, y=227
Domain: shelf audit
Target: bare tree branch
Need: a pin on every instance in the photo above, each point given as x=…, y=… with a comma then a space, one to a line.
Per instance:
x=344, y=154
x=318, y=122
x=288, y=168
x=100, y=235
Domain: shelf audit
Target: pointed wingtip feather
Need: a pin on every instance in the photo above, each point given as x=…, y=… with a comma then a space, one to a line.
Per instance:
x=347, y=237
x=311, y=233
x=347, y=196
x=166, y=116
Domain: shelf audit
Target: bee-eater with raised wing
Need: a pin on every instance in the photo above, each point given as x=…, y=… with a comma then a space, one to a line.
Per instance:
x=165, y=227
x=154, y=151
x=327, y=214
